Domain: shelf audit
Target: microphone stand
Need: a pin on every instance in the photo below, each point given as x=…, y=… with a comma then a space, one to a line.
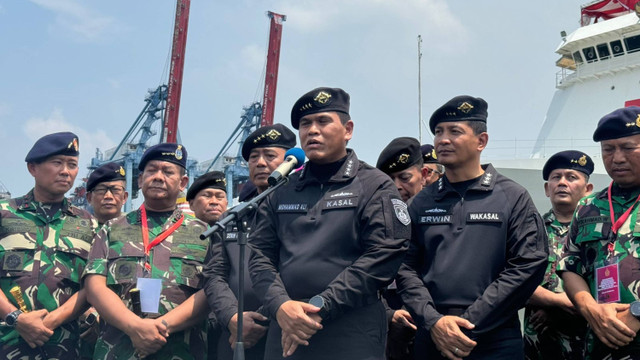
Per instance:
x=237, y=215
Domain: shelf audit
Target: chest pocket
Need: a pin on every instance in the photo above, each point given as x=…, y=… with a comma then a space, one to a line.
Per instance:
x=126, y=255
x=17, y=247
x=593, y=238
x=72, y=250
x=187, y=256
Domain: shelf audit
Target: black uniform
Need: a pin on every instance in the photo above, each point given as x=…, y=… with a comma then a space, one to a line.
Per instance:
x=222, y=273
x=339, y=231
x=479, y=255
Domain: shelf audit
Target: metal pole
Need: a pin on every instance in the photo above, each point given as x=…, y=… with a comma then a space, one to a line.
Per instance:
x=419, y=89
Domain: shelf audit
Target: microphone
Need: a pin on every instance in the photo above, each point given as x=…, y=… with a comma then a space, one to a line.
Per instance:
x=292, y=158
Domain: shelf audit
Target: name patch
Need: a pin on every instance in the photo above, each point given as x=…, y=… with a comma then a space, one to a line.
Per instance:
x=340, y=203
x=231, y=236
x=435, y=219
x=484, y=217
x=592, y=220
x=292, y=207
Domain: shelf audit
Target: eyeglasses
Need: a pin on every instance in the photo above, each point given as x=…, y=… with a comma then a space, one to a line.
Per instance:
x=116, y=190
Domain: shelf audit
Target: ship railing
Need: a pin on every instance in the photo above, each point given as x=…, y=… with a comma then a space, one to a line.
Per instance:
x=505, y=149
x=610, y=65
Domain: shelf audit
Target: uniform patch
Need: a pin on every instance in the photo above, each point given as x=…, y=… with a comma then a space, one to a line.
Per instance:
x=340, y=203
x=400, y=209
x=12, y=261
x=231, y=236
x=484, y=217
x=435, y=219
x=435, y=210
x=292, y=207
x=592, y=220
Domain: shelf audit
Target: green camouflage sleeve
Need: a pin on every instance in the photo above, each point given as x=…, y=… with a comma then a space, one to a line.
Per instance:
x=97, y=263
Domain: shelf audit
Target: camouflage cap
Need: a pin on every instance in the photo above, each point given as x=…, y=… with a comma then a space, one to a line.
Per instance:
x=460, y=108
x=276, y=135
x=108, y=172
x=61, y=143
x=400, y=154
x=210, y=180
x=173, y=153
x=618, y=124
x=322, y=99
x=569, y=159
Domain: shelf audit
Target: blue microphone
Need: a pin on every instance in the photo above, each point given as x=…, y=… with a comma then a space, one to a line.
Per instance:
x=292, y=158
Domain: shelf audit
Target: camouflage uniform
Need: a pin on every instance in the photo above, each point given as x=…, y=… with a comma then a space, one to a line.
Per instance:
x=564, y=337
x=44, y=256
x=589, y=238
x=118, y=254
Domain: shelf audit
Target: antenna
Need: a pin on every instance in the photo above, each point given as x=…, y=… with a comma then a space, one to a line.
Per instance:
x=419, y=89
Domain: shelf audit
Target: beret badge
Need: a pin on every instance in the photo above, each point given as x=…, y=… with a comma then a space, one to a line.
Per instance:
x=74, y=144
x=121, y=171
x=322, y=97
x=465, y=107
x=403, y=158
x=273, y=134
x=433, y=154
x=178, y=154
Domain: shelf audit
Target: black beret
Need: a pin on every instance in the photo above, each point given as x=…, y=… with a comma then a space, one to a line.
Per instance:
x=460, y=108
x=570, y=159
x=62, y=143
x=400, y=154
x=107, y=172
x=322, y=99
x=173, y=153
x=210, y=180
x=620, y=123
x=429, y=154
x=276, y=135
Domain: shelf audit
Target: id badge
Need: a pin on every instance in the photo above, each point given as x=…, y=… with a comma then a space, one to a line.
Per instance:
x=607, y=281
x=150, y=290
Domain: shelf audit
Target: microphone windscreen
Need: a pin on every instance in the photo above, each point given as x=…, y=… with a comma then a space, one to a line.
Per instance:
x=297, y=153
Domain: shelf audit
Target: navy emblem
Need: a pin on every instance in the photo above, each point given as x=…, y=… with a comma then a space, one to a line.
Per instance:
x=400, y=208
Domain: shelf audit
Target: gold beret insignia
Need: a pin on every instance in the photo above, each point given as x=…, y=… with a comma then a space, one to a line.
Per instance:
x=121, y=171
x=178, y=153
x=322, y=97
x=433, y=154
x=73, y=143
x=583, y=160
x=403, y=158
x=638, y=121
x=273, y=134
x=465, y=107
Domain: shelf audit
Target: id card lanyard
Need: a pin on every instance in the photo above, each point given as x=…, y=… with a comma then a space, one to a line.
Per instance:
x=157, y=240
x=616, y=224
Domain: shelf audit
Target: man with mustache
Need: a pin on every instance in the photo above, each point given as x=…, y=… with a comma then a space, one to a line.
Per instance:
x=478, y=247
x=601, y=259
x=44, y=245
x=157, y=251
x=552, y=327
x=327, y=242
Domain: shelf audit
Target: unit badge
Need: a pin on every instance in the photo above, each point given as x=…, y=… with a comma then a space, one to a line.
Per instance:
x=465, y=107
x=179, y=152
x=121, y=171
x=273, y=134
x=403, y=158
x=583, y=160
x=73, y=143
x=400, y=208
x=322, y=97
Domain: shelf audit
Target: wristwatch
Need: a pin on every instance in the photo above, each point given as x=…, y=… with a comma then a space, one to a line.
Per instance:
x=318, y=301
x=635, y=309
x=12, y=318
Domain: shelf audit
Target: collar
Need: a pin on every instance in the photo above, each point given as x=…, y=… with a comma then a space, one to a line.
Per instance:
x=485, y=183
x=27, y=203
x=347, y=171
x=174, y=217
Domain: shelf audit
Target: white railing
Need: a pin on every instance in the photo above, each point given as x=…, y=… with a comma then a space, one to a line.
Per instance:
x=566, y=77
x=503, y=149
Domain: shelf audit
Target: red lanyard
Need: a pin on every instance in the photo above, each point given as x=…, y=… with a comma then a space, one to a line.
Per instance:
x=616, y=224
x=158, y=239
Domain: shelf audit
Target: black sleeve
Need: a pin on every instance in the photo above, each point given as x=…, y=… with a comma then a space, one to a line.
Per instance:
x=527, y=254
x=264, y=257
x=414, y=294
x=220, y=297
x=385, y=238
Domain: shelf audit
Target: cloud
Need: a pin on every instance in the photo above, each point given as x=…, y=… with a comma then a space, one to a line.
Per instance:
x=90, y=138
x=432, y=18
x=77, y=18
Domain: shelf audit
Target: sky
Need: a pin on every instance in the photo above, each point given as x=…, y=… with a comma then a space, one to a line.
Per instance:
x=86, y=66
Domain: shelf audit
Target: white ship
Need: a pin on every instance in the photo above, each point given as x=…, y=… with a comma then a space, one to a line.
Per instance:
x=599, y=71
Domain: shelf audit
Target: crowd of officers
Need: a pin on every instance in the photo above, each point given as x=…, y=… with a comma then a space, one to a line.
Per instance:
x=428, y=255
